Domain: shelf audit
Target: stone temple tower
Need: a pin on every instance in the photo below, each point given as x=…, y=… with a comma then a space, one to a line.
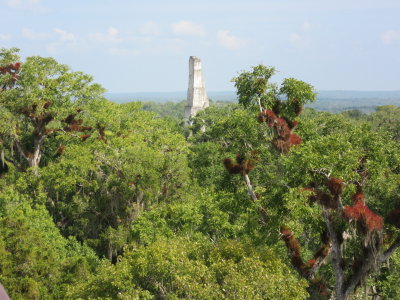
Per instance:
x=196, y=96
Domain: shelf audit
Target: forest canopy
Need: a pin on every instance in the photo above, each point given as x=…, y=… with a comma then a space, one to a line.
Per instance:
x=264, y=199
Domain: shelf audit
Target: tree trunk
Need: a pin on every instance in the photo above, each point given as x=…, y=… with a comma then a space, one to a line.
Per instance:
x=250, y=190
x=336, y=258
x=34, y=158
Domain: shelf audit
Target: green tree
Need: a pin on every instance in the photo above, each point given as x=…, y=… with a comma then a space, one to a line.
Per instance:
x=253, y=88
x=387, y=119
x=96, y=188
x=181, y=268
x=39, y=98
x=352, y=158
x=36, y=261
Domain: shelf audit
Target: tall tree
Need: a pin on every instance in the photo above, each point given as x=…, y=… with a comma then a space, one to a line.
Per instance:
x=38, y=98
x=341, y=200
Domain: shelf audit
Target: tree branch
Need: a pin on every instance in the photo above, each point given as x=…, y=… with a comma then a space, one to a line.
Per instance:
x=259, y=104
x=336, y=256
x=386, y=254
x=319, y=257
x=16, y=165
x=250, y=189
x=351, y=283
x=20, y=150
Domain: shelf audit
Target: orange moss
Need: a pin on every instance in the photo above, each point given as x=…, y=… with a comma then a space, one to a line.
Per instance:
x=231, y=167
x=294, y=139
x=357, y=197
x=328, y=201
x=335, y=186
x=361, y=213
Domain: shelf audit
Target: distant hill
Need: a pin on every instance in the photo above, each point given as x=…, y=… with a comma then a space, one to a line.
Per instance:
x=333, y=101
x=166, y=96
x=366, y=101
x=359, y=94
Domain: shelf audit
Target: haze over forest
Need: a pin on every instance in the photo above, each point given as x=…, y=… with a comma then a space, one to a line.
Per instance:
x=333, y=101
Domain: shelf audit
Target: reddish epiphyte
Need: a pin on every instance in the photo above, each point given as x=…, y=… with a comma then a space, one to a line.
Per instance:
x=357, y=197
x=294, y=140
x=335, y=186
x=361, y=213
x=243, y=164
x=283, y=127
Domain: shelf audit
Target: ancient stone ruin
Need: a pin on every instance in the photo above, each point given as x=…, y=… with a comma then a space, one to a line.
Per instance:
x=197, y=99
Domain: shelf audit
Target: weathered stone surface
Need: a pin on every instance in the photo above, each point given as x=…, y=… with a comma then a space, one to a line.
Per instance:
x=196, y=96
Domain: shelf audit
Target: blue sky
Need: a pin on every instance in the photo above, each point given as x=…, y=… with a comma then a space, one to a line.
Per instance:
x=139, y=46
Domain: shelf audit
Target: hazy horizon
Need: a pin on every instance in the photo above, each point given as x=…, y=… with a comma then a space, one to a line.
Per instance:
x=338, y=99
x=232, y=91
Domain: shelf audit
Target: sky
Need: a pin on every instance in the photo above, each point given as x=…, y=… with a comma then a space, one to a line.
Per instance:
x=144, y=46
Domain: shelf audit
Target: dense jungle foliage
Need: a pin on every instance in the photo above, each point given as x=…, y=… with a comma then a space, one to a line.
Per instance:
x=111, y=201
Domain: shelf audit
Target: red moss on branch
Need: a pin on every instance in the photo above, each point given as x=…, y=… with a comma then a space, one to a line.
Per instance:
x=363, y=215
x=283, y=128
x=231, y=167
x=335, y=186
x=269, y=117
x=291, y=242
x=311, y=263
x=328, y=201
x=294, y=140
x=307, y=269
x=357, y=197
x=243, y=164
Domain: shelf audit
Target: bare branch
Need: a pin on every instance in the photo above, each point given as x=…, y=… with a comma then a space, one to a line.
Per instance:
x=16, y=165
x=20, y=150
x=250, y=189
x=386, y=254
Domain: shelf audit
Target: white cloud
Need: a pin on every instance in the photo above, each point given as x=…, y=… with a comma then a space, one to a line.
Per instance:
x=306, y=26
x=52, y=48
x=150, y=28
x=4, y=37
x=229, y=41
x=296, y=40
x=65, y=40
x=33, y=5
x=188, y=28
x=34, y=36
x=110, y=36
x=118, y=51
x=391, y=37
x=64, y=36
x=157, y=47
